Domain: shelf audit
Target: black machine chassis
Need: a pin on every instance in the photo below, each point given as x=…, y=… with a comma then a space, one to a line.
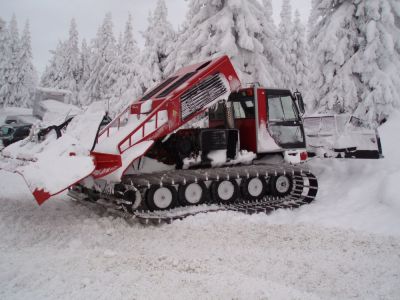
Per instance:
x=304, y=190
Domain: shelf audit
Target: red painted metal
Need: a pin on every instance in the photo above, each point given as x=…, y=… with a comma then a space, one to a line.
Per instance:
x=262, y=106
x=303, y=156
x=105, y=163
x=41, y=195
x=247, y=133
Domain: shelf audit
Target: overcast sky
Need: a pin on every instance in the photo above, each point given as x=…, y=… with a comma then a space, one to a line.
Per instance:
x=49, y=19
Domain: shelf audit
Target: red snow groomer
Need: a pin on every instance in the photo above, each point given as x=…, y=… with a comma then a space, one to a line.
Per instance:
x=196, y=142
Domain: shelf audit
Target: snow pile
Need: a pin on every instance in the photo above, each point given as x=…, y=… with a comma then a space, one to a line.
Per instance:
x=219, y=158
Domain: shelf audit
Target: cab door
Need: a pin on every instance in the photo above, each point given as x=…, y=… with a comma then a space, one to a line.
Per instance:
x=279, y=123
x=244, y=111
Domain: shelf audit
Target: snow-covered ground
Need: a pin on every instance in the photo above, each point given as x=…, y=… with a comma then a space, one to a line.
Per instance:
x=344, y=245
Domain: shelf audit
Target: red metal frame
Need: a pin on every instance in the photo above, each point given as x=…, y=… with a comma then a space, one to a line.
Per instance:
x=171, y=103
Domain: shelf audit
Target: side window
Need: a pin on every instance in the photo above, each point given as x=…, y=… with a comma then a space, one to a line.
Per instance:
x=216, y=112
x=275, y=111
x=281, y=108
x=288, y=108
x=244, y=109
x=238, y=110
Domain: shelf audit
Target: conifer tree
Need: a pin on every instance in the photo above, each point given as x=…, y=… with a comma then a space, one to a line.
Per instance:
x=84, y=73
x=285, y=44
x=8, y=91
x=84, y=64
x=123, y=75
x=53, y=74
x=233, y=27
x=356, y=57
x=159, y=37
x=300, y=54
x=5, y=57
x=103, y=56
x=27, y=76
x=64, y=71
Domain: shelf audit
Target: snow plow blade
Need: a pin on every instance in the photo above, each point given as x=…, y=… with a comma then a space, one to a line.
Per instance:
x=341, y=136
x=51, y=165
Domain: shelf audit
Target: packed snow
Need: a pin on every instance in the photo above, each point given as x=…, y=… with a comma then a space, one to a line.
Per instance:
x=344, y=245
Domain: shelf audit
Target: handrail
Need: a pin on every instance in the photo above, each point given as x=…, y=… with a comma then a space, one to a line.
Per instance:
x=112, y=123
x=118, y=119
x=142, y=125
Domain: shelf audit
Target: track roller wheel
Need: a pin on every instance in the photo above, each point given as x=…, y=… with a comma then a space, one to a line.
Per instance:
x=134, y=198
x=280, y=185
x=119, y=190
x=129, y=199
x=192, y=193
x=224, y=191
x=161, y=197
x=253, y=188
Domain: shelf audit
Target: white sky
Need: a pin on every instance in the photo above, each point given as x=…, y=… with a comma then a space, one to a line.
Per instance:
x=49, y=19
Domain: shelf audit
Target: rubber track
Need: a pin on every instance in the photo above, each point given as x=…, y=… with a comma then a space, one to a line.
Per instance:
x=305, y=187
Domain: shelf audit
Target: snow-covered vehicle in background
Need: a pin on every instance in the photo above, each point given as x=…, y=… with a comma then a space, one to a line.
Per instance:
x=16, y=128
x=14, y=132
x=51, y=105
x=20, y=119
x=341, y=136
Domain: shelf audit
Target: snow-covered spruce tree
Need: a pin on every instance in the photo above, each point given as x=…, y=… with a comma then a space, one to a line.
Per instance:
x=233, y=27
x=8, y=92
x=270, y=42
x=286, y=43
x=268, y=11
x=356, y=58
x=52, y=74
x=300, y=54
x=159, y=37
x=64, y=69
x=72, y=71
x=84, y=70
x=103, y=56
x=5, y=56
x=123, y=75
x=379, y=59
x=27, y=76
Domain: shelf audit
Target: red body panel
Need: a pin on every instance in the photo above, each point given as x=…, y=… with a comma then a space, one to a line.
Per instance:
x=247, y=133
x=105, y=163
x=262, y=106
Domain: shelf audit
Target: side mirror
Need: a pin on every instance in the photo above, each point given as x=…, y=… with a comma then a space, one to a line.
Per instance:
x=300, y=102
